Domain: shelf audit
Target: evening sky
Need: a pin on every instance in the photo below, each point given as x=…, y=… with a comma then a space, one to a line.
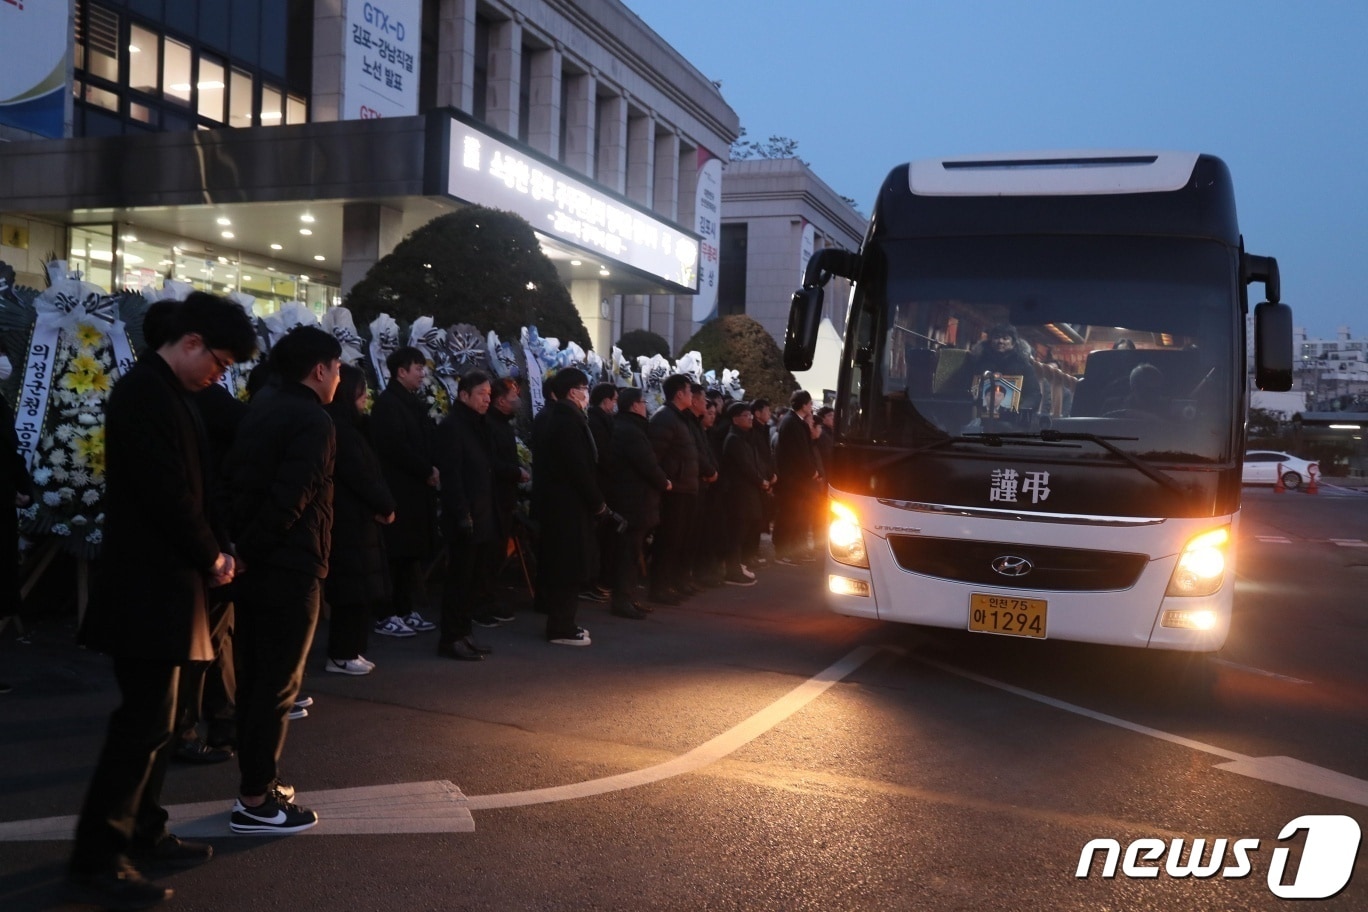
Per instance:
x=1279, y=90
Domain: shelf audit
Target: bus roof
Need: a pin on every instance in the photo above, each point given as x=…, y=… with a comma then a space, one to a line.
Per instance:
x=1057, y=173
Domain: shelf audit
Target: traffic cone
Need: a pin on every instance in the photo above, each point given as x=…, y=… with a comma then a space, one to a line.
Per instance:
x=1311, y=486
x=1278, y=486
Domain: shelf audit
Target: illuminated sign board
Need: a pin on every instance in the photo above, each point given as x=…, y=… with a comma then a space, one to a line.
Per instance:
x=488, y=172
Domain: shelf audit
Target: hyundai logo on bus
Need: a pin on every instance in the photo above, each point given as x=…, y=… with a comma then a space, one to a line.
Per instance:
x=1011, y=565
x=1327, y=858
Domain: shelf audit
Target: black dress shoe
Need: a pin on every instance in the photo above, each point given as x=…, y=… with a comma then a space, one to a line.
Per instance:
x=459, y=650
x=646, y=609
x=196, y=751
x=476, y=646
x=171, y=851
x=628, y=611
x=120, y=887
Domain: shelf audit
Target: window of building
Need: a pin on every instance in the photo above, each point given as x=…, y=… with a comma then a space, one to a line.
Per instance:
x=143, y=114
x=731, y=269
x=271, y=102
x=296, y=111
x=212, y=89
x=101, y=56
x=101, y=98
x=176, y=72
x=144, y=53
x=240, y=99
x=92, y=254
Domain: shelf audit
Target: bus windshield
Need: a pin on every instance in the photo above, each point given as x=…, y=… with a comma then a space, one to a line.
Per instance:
x=1134, y=339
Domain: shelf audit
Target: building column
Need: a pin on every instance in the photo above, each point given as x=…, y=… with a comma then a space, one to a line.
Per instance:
x=640, y=158
x=662, y=320
x=611, y=162
x=456, y=54
x=369, y=231
x=544, y=116
x=635, y=314
x=665, y=193
x=505, y=74
x=686, y=213
x=580, y=122
x=330, y=48
x=589, y=295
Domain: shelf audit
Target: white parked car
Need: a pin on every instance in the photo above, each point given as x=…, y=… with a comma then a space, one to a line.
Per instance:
x=1261, y=467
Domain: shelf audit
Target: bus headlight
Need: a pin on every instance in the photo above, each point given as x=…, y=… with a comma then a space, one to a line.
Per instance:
x=845, y=540
x=1201, y=566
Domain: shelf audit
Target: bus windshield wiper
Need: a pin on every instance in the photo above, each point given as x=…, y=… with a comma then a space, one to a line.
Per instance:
x=1149, y=471
x=992, y=440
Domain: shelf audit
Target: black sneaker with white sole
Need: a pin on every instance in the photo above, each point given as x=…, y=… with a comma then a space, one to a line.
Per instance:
x=275, y=815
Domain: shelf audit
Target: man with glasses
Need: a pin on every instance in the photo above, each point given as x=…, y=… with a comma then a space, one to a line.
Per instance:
x=148, y=606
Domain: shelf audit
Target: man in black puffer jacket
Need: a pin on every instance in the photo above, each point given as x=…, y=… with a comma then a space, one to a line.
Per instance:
x=281, y=475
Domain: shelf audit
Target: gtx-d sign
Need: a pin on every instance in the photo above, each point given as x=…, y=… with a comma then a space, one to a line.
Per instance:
x=1327, y=859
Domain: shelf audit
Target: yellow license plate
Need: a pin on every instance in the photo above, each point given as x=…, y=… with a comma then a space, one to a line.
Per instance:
x=1007, y=615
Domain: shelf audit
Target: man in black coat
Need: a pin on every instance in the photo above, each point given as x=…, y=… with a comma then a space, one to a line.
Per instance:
x=634, y=492
x=603, y=405
x=744, y=486
x=280, y=473
x=465, y=458
x=799, y=480
x=148, y=605
x=504, y=405
x=672, y=437
x=566, y=503
x=401, y=434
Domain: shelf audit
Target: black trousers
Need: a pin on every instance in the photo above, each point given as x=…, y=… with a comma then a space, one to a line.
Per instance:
x=627, y=549
x=349, y=627
x=208, y=690
x=561, y=601
x=277, y=613
x=469, y=586
x=406, y=575
x=123, y=801
x=671, y=557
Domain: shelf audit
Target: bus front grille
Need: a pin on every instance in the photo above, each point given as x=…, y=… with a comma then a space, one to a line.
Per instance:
x=1017, y=566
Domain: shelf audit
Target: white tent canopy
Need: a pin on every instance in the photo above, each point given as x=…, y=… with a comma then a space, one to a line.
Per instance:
x=826, y=362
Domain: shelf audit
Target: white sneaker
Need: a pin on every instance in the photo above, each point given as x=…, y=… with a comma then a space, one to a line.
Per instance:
x=747, y=572
x=394, y=626
x=298, y=712
x=348, y=667
x=415, y=621
x=365, y=661
x=579, y=639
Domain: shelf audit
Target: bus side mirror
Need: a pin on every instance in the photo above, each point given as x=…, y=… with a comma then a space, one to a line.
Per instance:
x=1273, y=347
x=805, y=317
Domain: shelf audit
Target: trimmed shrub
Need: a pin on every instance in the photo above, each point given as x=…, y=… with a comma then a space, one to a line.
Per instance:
x=642, y=343
x=739, y=342
x=479, y=266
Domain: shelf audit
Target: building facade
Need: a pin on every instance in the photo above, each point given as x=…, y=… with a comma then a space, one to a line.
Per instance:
x=281, y=148
x=775, y=214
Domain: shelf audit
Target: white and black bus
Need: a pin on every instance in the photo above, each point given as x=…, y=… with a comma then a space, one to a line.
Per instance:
x=1040, y=408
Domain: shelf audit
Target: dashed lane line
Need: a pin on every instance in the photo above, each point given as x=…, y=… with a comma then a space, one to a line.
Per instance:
x=1286, y=771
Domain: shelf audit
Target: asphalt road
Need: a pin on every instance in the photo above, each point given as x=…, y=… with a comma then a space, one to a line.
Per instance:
x=751, y=751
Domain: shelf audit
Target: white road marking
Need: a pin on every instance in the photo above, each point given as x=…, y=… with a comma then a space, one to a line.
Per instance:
x=1349, y=542
x=1260, y=671
x=1274, y=539
x=1285, y=771
x=440, y=807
